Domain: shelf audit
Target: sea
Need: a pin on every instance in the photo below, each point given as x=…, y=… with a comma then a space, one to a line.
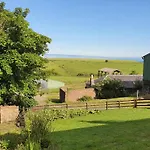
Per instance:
x=138, y=59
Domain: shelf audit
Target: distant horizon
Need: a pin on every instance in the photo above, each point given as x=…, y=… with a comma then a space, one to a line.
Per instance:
x=94, y=55
x=138, y=59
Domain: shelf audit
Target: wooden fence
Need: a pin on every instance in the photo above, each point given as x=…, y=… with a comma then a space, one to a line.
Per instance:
x=141, y=103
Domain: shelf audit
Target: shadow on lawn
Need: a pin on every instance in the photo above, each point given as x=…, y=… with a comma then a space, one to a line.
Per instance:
x=103, y=135
x=128, y=135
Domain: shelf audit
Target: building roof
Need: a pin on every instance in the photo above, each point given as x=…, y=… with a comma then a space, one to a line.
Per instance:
x=145, y=55
x=126, y=77
x=109, y=70
x=128, y=80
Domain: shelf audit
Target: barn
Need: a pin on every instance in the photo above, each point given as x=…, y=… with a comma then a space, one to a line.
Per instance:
x=146, y=70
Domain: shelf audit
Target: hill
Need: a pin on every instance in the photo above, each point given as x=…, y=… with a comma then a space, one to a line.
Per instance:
x=84, y=67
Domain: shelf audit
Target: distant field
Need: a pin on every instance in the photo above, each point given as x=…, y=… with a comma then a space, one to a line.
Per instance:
x=73, y=67
x=67, y=70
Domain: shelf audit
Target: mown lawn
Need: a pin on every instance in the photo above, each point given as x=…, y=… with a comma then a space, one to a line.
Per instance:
x=124, y=129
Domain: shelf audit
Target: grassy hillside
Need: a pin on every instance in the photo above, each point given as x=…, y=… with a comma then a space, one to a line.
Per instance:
x=67, y=70
x=73, y=67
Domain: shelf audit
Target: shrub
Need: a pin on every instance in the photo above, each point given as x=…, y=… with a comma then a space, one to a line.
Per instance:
x=4, y=144
x=138, y=85
x=83, y=75
x=37, y=131
x=56, y=114
x=85, y=98
x=109, y=89
x=52, y=72
x=133, y=72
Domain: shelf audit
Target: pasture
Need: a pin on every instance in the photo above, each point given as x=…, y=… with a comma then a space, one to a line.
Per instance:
x=75, y=72
x=84, y=67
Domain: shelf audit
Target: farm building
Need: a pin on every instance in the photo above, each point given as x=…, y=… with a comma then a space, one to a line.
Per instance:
x=128, y=80
x=146, y=70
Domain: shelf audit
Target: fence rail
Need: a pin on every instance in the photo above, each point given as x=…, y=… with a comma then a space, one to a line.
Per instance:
x=141, y=103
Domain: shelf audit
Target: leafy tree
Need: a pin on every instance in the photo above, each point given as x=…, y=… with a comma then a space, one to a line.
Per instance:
x=21, y=61
x=109, y=89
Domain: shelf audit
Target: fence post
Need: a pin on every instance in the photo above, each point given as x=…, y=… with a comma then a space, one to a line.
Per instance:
x=66, y=106
x=86, y=105
x=119, y=104
x=106, y=105
x=135, y=103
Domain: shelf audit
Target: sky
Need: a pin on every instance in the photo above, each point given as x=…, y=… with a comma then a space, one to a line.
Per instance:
x=111, y=28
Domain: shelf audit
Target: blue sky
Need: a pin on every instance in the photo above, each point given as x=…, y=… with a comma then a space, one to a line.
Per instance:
x=91, y=27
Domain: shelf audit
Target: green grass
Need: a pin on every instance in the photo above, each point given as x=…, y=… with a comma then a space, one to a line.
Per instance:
x=71, y=82
x=71, y=67
x=124, y=129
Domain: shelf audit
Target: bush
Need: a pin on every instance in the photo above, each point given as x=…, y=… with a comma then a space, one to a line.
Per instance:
x=109, y=89
x=52, y=72
x=85, y=98
x=4, y=144
x=83, y=75
x=133, y=72
x=37, y=132
x=56, y=114
x=138, y=84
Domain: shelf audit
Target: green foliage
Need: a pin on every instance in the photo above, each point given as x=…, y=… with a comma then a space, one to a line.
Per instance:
x=55, y=114
x=4, y=144
x=37, y=131
x=52, y=72
x=21, y=61
x=133, y=72
x=138, y=84
x=85, y=98
x=109, y=89
x=83, y=75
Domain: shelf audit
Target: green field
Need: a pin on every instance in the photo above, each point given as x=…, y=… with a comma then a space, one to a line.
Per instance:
x=66, y=70
x=125, y=129
x=72, y=67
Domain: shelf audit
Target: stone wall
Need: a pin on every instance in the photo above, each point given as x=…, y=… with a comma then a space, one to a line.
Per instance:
x=8, y=113
x=74, y=95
